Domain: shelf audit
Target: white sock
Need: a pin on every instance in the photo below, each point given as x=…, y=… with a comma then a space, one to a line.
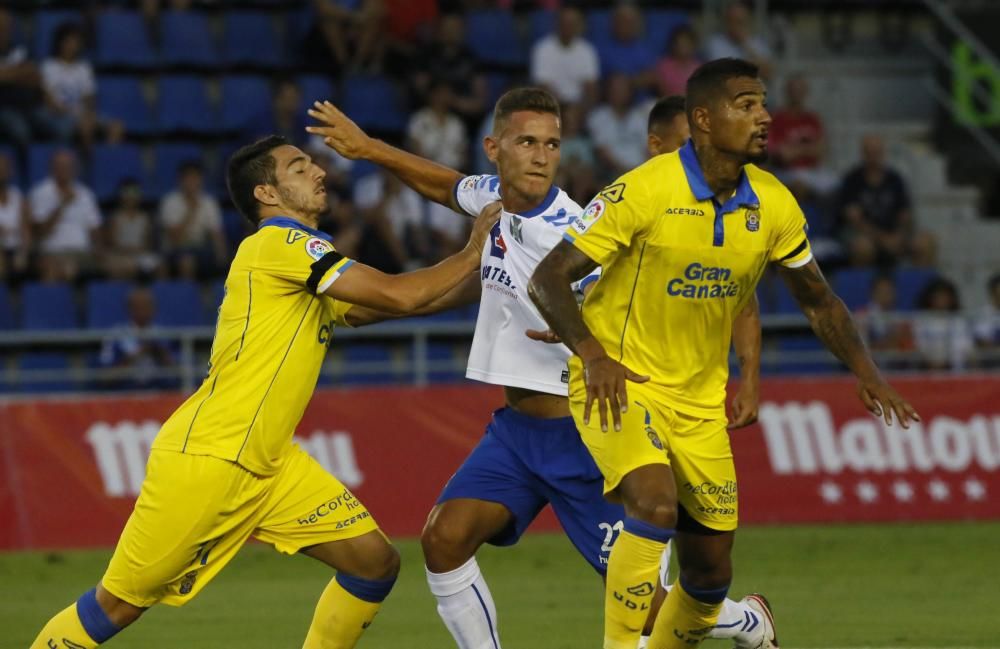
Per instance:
x=466, y=606
x=665, y=567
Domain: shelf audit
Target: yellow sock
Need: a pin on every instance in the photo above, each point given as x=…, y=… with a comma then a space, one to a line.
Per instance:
x=342, y=616
x=64, y=630
x=633, y=568
x=683, y=622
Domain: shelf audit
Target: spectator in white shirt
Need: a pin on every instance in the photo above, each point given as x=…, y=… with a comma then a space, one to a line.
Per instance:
x=987, y=326
x=65, y=216
x=618, y=129
x=394, y=237
x=129, y=236
x=15, y=238
x=191, y=220
x=437, y=133
x=566, y=63
x=21, y=115
x=70, y=90
x=943, y=337
x=738, y=41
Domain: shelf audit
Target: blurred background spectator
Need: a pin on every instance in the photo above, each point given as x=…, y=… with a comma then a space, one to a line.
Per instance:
x=987, y=324
x=797, y=140
x=191, y=222
x=435, y=132
x=129, y=253
x=566, y=63
x=618, y=127
x=15, y=228
x=20, y=83
x=138, y=358
x=680, y=61
x=942, y=335
x=737, y=39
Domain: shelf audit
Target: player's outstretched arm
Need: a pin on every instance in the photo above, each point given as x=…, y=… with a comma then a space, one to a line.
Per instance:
x=431, y=180
x=746, y=342
x=467, y=292
x=834, y=325
x=551, y=292
x=406, y=293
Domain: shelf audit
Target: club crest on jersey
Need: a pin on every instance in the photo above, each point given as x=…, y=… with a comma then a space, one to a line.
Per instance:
x=515, y=229
x=590, y=215
x=753, y=220
x=317, y=248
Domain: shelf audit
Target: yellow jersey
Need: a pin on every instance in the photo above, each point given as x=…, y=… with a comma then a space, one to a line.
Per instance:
x=677, y=267
x=273, y=330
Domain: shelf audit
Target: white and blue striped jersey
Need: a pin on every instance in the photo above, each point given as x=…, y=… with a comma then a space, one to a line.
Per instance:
x=501, y=353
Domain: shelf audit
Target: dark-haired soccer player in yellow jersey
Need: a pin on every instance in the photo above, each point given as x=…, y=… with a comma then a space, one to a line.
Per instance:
x=683, y=240
x=223, y=467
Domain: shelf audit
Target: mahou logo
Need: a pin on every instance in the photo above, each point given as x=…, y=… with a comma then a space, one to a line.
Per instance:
x=121, y=451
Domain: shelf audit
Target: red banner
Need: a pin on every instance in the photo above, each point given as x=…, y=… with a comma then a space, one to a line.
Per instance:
x=72, y=468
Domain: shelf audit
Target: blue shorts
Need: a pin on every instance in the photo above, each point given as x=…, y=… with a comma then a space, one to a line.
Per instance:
x=524, y=463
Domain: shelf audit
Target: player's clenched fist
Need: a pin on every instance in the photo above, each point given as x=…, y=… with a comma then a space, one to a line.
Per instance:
x=338, y=131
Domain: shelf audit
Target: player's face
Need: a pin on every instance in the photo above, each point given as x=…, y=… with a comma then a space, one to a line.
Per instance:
x=300, y=181
x=740, y=121
x=526, y=152
x=667, y=138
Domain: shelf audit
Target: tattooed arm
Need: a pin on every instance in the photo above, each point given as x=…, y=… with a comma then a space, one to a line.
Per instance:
x=746, y=342
x=550, y=291
x=833, y=325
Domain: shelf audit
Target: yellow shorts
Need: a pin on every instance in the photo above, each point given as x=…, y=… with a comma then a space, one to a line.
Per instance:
x=696, y=449
x=195, y=512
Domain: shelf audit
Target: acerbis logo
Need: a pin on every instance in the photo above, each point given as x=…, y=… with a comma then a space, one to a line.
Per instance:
x=685, y=210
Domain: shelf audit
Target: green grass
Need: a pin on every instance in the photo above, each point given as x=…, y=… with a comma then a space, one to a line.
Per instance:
x=847, y=586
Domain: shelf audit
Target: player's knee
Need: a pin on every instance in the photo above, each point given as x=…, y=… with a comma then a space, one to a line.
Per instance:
x=655, y=511
x=387, y=564
x=443, y=537
x=707, y=575
x=120, y=612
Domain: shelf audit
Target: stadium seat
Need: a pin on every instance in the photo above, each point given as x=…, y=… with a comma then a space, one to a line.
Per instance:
x=123, y=98
x=178, y=304
x=107, y=304
x=48, y=307
x=374, y=103
x=366, y=363
x=46, y=23
x=599, y=27
x=183, y=105
x=186, y=40
x=910, y=283
x=814, y=365
x=218, y=289
x=853, y=285
x=11, y=154
x=543, y=23
x=243, y=98
x=782, y=300
x=448, y=364
x=660, y=26
x=113, y=163
x=315, y=87
x=54, y=362
x=250, y=38
x=168, y=159
x=7, y=319
x=39, y=157
x=123, y=40
x=492, y=35
x=234, y=227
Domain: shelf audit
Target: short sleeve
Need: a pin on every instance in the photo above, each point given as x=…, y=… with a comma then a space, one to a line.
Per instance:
x=610, y=222
x=92, y=210
x=791, y=243
x=301, y=259
x=473, y=193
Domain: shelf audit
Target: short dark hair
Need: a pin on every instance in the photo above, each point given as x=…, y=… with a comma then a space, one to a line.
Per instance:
x=191, y=165
x=708, y=82
x=529, y=98
x=64, y=31
x=664, y=111
x=250, y=166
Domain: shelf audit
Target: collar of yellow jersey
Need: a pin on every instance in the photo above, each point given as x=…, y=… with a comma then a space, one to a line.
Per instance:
x=745, y=196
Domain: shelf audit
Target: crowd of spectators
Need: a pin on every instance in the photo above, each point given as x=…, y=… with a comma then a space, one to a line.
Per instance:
x=58, y=231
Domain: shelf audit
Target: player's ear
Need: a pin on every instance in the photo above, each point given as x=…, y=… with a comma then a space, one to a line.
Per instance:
x=266, y=194
x=653, y=144
x=700, y=119
x=491, y=146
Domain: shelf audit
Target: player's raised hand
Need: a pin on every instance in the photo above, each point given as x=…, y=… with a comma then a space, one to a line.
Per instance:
x=605, y=379
x=482, y=226
x=745, y=406
x=338, y=131
x=883, y=401
x=547, y=336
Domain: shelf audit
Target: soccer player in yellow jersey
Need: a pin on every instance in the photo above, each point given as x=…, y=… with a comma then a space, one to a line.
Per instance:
x=223, y=467
x=683, y=240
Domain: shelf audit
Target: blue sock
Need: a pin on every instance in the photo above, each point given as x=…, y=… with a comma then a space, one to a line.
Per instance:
x=95, y=621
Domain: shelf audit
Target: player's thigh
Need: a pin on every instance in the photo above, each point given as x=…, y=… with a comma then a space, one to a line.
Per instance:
x=702, y=460
x=192, y=516
x=459, y=526
x=370, y=556
x=307, y=506
x=590, y=521
x=640, y=442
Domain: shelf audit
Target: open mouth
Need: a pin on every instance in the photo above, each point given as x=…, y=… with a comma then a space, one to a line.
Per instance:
x=761, y=138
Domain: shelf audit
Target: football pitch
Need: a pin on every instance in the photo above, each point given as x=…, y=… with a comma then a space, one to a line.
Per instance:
x=874, y=586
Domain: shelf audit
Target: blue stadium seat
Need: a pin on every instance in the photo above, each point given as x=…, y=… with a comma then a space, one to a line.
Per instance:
x=11, y=154
x=492, y=35
x=367, y=355
x=168, y=159
x=599, y=27
x=315, y=87
x=853, y=285
x=7, y=319
x=39, y=157
x=251, y=39
x=660, y=26
x=178, y=304
x=782, y=299
x=52, y=361
x=543, y=23
x=452, y=366
x=46, y=24
x=243, y=98
x=107, y=304
x=186, y=40
x=234, y=227
x=218, y=294
x=123, y=99
x=123, y=40
x=910, y=282
x=374, y=103
x=804, y=343
x=48, y=307
x=183, y=105
x=497, y=83
x=113, y=163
